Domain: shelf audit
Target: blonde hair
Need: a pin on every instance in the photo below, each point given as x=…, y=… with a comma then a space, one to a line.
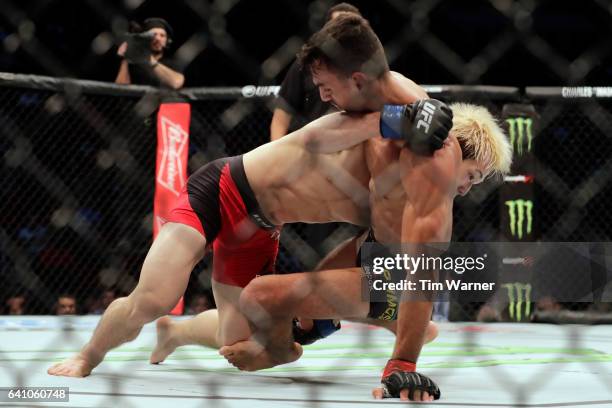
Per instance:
x=481, y=138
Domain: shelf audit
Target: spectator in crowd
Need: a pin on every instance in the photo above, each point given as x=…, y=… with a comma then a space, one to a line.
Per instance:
x=98, y=304
x=298, y=103
x=298, y=100
x=107, y=298
x=199, y=303
x=16, y=305
x=143, y=60
x=488, y=312
x=66, y=305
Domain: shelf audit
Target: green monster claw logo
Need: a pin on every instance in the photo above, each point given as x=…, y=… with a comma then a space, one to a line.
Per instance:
x=520, y=212
x=523, y=295
x=518, y=128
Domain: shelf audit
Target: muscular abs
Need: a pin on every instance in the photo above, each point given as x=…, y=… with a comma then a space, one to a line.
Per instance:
x=296, y=186
x=387, y=195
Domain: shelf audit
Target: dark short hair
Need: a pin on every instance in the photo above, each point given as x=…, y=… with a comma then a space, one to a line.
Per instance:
x=341, y=8
x=346, y=44
x=156, y=22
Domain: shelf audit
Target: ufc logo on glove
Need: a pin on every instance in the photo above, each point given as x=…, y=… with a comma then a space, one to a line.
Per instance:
x=427, y=112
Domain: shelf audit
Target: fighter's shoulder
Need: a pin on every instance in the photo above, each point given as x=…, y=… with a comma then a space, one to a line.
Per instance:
x=438, y=169
x=408, y=85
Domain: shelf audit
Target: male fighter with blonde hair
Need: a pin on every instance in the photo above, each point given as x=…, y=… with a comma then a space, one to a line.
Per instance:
x=475, y=149
x=236, y=205
x=357, y=78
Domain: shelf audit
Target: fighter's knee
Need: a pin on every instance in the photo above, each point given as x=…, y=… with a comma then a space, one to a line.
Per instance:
x=257, y=295
x=146, y=307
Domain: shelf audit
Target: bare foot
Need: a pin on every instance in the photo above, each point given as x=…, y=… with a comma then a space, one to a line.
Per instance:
x=76, y=366
x=251, y=356
x=165, y=342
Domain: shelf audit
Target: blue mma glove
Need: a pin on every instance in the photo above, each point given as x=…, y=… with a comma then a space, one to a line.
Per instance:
x=320, y=330
x=423, y=125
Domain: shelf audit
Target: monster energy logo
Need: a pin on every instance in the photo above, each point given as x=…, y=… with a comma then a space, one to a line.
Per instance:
x=520, y=213
x=519, y=128
x=518, y=294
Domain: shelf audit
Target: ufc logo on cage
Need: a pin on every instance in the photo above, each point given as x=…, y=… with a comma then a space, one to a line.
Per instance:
x=427, y=112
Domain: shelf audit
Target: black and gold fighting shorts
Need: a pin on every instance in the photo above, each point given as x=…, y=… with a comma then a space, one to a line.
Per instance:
x=384, y=304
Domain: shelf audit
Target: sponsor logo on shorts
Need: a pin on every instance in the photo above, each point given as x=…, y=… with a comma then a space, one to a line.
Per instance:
x=275, y=234
x=174, y=139
x=427, y=113
x=260, y=221
x=520, y=214
x=519, y=300
x=160, y=221
x=520, y=131
x=390, y=312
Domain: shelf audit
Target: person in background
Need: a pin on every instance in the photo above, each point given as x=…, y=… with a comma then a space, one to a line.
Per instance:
x=16, y=305
x=199, y=303
x=142, y=57
x=298, y=101
x=107, y=298
x=66, y=305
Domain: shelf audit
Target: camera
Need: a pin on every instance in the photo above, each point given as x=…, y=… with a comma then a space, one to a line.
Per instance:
x=138, y=47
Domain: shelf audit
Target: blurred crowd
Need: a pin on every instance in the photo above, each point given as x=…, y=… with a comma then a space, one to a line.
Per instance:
x=68, y=304
x=143, y=60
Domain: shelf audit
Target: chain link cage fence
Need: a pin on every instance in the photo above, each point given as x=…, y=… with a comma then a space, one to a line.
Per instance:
x=77, y=157
x=78, y=175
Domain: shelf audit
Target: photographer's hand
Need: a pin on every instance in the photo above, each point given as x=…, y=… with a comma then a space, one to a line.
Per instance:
x=122, y=49
x=153, y=61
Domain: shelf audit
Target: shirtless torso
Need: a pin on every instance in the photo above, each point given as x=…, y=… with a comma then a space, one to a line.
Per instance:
x=360, y=185
x=293, y=183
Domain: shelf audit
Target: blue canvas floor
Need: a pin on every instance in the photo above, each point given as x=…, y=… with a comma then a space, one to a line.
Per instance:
x=492, y=365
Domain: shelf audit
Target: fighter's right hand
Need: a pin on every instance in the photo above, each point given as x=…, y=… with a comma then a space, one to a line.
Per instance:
x=122, y=49
x=423, y=125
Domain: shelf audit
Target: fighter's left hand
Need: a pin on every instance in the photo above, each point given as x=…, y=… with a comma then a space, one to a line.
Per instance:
x=400, y=380
x=379, y=393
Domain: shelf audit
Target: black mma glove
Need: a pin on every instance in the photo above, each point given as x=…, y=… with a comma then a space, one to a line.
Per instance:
x=423, y=125
x=401, y=374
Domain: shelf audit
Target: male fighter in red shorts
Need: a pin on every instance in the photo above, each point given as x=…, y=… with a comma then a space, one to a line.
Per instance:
x=316, y=174
x=411, y=199
x=350, y=68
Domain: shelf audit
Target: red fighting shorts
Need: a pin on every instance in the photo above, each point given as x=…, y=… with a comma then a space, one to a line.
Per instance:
x=219, y=202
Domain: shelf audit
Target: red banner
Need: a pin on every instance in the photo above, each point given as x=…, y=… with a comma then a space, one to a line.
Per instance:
x=171, y=165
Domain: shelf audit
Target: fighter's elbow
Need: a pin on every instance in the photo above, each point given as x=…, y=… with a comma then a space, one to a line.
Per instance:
x=178, y=81
x=427, y=228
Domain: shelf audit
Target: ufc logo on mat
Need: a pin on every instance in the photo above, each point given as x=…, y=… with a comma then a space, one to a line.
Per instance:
x=427, y=113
